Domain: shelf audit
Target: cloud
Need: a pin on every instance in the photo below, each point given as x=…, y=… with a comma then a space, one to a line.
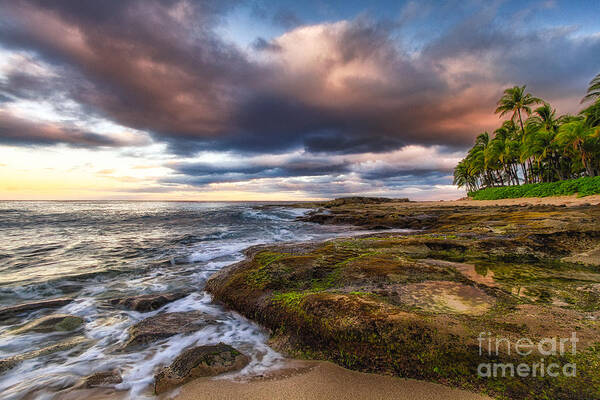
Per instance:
x=151, y=65
x=317, y=175
x=261, y=44
x=341, y=87
x=311, y=109
x=19, y=131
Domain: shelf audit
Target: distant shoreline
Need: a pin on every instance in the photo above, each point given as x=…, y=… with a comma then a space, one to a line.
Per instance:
x=549, y=200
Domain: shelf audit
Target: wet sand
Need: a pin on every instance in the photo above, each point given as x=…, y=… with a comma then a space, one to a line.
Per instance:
x=568, y=201
x=323, y=381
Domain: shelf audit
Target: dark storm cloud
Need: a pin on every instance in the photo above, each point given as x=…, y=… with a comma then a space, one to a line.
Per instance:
x=19, y=131
x=318, y=169
x=146, y=64
x=201, y=173
x=337, y=88
x=336, y=186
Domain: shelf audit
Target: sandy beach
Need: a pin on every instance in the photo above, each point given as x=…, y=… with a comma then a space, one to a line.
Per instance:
x=322, y=380
x=303, y=380
x=568, y=201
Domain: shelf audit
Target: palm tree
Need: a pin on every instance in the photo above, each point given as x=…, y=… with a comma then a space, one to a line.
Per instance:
x=592, y=114
x=476, y=159
x=545, y=147
x=542, y=127
x=502, y=151
x=516, y=101
x=544, y=117
x=540, y=145
x=582, y=140
x=593, y=92
x=463, y=177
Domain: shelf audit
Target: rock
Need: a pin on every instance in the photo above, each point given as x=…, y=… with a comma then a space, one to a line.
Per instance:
x=362, y=200
x=590, y=257
x=446, y=297
x=12, y=311
x=51, y=323
x=377, y=227
x=147, y=302
x=162, y=326
x=375, y=302
x=106, y=378
x=11, y=362
x=198, y=362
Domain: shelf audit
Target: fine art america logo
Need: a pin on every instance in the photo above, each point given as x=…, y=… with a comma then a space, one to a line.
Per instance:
x=525, y=347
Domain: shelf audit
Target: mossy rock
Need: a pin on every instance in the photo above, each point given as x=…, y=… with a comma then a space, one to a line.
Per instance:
x=11, y=362
x=413, y=305
x=51, y=323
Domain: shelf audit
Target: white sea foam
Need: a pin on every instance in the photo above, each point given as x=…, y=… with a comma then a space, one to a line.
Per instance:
x=211, y=251
x=107, y=327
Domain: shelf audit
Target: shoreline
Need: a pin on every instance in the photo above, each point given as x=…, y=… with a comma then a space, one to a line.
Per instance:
x=314, y=318
x=568, y=201
x=326, y=381
x=301, y=380
x=323, y=379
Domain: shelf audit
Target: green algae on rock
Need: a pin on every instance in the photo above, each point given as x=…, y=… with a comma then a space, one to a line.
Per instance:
x=413, y=305
x=51, y=323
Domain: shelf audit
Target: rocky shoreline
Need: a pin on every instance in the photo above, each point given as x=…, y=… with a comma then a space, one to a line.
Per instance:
x=199, y=361
x=415, y=304
x=408, y=302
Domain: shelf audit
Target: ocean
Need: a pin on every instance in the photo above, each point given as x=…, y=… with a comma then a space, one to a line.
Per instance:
x=97, y=250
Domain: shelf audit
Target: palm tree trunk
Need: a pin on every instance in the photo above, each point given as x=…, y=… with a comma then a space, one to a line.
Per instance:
x=516, y=173
x=521, y=122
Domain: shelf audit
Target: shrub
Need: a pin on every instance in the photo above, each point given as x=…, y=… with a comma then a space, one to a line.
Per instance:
x=585, y=186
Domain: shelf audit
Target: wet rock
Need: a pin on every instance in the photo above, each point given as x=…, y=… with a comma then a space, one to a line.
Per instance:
x=165, y=325
x=375, y=302
x=12, y=311
x=590, y=257
x=446, y=297
x=11, y=362
x=148, y=302
x=100, y=379
x=198, y=362
x=51, y=323
x=362, y=200
x=378, y=227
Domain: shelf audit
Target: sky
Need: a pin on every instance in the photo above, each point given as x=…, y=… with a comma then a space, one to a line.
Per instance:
x=270, y=100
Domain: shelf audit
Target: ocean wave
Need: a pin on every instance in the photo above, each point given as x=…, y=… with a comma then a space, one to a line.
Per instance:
x=93, y=251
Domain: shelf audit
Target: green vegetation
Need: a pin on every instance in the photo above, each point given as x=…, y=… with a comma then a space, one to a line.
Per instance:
x=414, y=305
x=542, y=148
x=584, y=186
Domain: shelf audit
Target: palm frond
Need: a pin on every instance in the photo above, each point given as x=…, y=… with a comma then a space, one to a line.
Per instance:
x=593, y=92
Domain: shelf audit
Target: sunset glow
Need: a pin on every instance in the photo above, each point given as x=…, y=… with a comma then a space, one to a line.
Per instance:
x=258, y=101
